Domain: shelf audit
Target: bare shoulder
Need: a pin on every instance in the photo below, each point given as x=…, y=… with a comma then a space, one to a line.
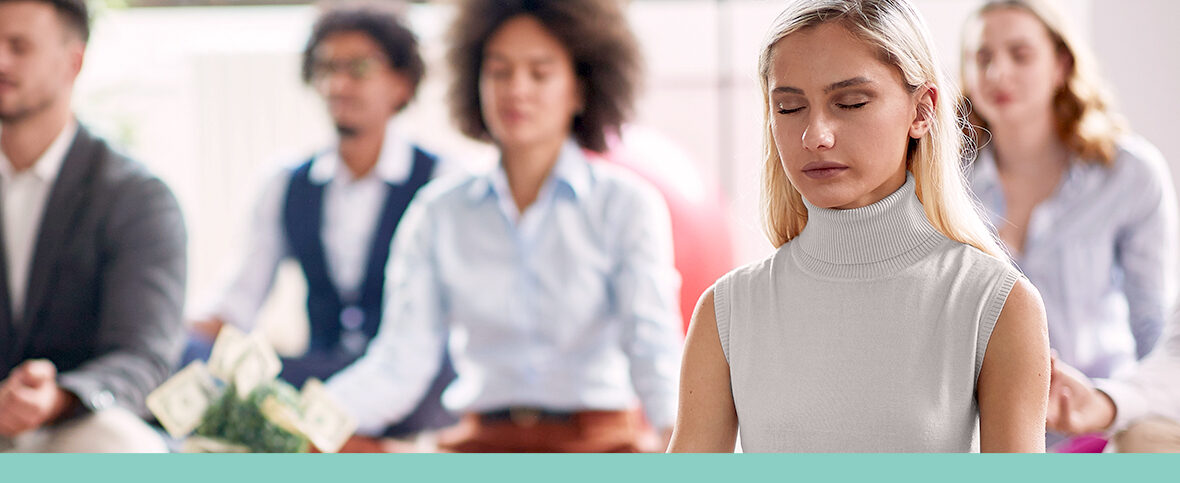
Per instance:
x=1024, y=303
x=1013, y=384
x=704, y=316
x=702, y=343
x=707, y=419
x=1020, y=336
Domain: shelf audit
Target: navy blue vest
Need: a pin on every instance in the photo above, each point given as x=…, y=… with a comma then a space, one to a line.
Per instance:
x=343, y=324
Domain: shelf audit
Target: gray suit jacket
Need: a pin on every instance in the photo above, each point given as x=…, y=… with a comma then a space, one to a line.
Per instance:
x=106, y=287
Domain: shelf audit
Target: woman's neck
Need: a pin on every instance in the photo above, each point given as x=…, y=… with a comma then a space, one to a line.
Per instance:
x=527, y=167
x=1029, y=148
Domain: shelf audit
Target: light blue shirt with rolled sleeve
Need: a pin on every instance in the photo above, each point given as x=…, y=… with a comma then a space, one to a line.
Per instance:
x=571, y=305
x=1102, y=252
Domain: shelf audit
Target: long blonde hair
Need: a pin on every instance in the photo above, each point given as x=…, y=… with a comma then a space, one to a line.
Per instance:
x=1082, y=106
x=900, y=35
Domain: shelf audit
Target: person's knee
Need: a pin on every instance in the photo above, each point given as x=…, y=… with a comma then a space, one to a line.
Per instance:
x=1151, y=435
x=113, y=430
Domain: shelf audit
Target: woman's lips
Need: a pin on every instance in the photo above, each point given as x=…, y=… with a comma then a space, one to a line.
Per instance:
x=513, y=116
x=823, y=169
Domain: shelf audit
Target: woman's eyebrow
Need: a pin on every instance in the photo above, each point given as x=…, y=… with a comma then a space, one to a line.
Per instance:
x=855, y=81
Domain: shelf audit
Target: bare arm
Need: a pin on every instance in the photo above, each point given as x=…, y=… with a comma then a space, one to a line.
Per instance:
x=1013, y=387
x=707, y=420
x=1075, y=406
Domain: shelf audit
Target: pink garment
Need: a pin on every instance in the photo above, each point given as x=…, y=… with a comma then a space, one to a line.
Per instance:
x=1086, y=443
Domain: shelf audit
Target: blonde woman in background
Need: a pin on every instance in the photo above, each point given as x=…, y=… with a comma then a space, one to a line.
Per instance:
x=889, y=319
x=1088, y=213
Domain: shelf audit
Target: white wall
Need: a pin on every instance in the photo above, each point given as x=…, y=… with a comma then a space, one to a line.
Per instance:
x=1136, y=42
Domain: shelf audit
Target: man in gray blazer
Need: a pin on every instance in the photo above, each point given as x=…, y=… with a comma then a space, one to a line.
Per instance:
x=93, y=255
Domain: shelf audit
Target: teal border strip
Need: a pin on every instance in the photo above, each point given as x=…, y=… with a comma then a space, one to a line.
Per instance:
x=214, y=468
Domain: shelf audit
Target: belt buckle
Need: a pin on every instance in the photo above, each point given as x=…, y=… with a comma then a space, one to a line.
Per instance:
x=524, y=417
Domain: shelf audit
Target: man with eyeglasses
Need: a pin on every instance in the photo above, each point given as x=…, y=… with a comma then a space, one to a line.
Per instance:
x=336, y=213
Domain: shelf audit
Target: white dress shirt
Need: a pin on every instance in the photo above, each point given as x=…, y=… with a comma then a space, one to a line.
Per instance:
x=571, y=305
x=351, y=212
x=25, y=195
x=1102, y=253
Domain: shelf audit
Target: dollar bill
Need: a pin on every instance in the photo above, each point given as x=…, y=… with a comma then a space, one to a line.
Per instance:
x=202, y=444
x=257, y=363
x=180, y=402
x=227, y=351
x=283, y=416
x=324, y=422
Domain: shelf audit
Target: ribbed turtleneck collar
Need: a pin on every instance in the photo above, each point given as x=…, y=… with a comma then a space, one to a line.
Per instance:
x=867, y=242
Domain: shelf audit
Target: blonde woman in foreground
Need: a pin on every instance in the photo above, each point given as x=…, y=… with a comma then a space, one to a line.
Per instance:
x=888, y=319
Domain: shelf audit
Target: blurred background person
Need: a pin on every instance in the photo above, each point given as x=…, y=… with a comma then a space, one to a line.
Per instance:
x=93, y=255
x=550, y=277
x=1086, y=210
x=337, y=212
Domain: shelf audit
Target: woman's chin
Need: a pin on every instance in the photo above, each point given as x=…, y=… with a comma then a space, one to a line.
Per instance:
x=828, y=200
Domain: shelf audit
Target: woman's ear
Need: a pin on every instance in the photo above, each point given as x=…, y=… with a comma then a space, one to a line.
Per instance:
x=1064, y=67
x=924, y=111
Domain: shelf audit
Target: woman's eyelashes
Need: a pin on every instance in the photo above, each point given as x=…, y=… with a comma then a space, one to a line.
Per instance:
x=852, y=106
x=851, y=101
x=847, y=106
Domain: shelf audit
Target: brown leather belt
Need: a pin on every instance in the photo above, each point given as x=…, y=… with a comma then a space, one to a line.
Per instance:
x=527, y=416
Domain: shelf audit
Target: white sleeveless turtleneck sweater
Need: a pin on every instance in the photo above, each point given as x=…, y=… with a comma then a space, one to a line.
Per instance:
x=865, y=333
